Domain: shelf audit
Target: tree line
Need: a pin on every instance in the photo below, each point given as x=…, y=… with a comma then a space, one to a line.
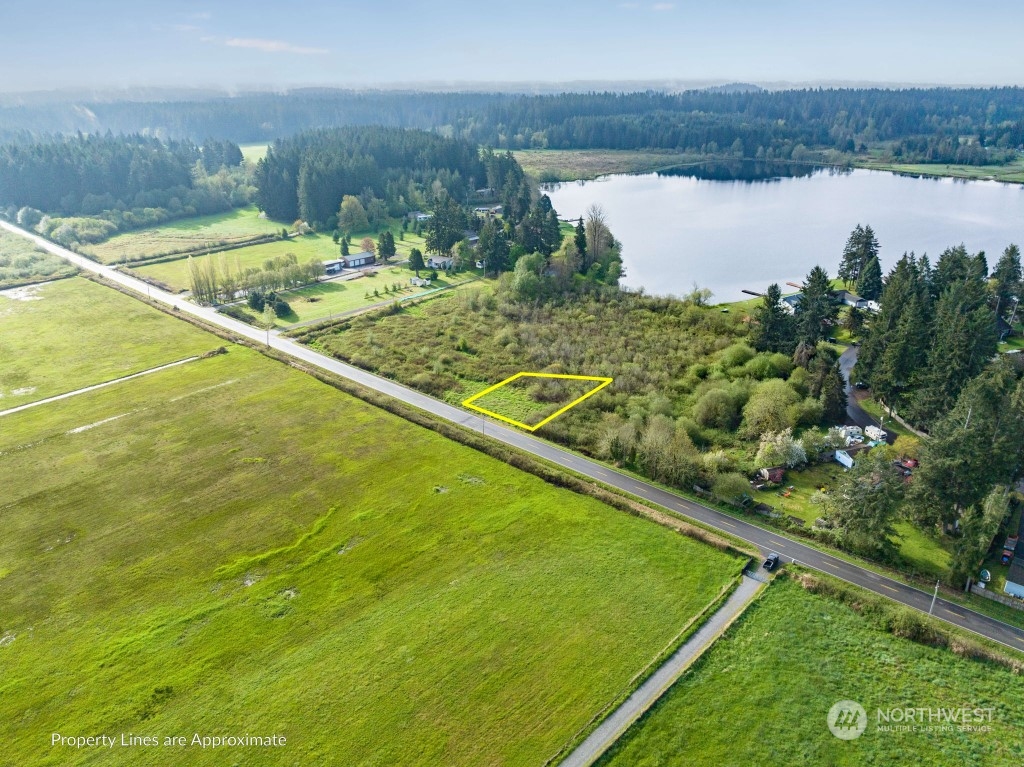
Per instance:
x=968, y=125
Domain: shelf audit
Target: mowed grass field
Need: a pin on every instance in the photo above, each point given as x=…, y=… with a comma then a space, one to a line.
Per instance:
x=233, y=547
x=65, y=335
x=321, y=301
x=186, y=234
x=304, y=247
x=762, y=693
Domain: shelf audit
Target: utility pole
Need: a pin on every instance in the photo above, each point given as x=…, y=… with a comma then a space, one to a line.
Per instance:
x=934, y=596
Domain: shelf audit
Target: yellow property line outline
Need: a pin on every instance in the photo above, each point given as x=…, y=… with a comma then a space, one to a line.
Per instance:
x=469, y=401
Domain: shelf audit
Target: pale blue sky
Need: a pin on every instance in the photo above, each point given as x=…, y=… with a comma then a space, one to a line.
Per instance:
x=115, y=43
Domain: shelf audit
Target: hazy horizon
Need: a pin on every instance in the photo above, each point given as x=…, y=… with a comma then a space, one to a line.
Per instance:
x=113, y=45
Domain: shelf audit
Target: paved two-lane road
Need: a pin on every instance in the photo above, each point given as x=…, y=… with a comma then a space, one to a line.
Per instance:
x=766, y=540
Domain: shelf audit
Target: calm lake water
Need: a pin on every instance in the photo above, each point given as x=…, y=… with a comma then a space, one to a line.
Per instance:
x=717, y=228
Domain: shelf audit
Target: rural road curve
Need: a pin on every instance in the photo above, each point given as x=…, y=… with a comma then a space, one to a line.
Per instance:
x=765, y=540
x=612, y=728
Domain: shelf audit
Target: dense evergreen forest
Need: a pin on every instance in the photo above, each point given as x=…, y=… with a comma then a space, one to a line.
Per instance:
x=89, y=174
x=306, y=176
x=925, y=125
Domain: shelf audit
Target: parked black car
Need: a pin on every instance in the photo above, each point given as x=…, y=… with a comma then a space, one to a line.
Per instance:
x=771, y=562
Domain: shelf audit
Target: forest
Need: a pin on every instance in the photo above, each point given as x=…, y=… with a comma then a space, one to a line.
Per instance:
x=947, y=125
x=84, y=188
x=306, y=176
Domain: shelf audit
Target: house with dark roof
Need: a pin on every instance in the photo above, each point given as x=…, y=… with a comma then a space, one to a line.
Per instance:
x=363, y=258
x=850, y=299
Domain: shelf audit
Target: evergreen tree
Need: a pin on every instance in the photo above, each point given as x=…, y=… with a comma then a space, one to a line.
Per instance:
x=494, y=247
x=978, y=528
x=580, y=237
x=817, y=311
x=446, y=226
x=833, y=397
x=977, y=445
x=1006, y=279
x=344, y=246
x=869, y=283
x=963, y=340
x=903, y=282
x=775, y=328
x=416, y=261
x=860, y=248
x=386, y=245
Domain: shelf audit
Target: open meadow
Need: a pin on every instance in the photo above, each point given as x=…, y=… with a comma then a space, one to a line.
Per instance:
x=72, y=333
x=184, y=235
x=231, y=546
x=305, y=247
x=577, y=164
x=763, y=691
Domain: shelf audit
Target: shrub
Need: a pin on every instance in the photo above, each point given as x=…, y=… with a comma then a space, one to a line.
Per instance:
x=281, y=307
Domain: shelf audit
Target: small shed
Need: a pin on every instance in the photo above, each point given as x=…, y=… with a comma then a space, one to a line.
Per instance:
x=773, y=474
x=334, y=266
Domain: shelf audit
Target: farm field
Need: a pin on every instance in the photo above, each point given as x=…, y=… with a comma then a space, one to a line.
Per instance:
x=186, y=234
x=22, y=263
x=245, y=558
x=341, y=296
x=305, y=247
x=767, y=685
x=65, y=335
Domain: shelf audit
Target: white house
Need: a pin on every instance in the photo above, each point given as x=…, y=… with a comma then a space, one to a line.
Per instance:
x=334, y=266
x=441, y=261
x=790, y=303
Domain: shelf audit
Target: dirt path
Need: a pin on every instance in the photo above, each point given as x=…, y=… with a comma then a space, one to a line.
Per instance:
x=94, y=387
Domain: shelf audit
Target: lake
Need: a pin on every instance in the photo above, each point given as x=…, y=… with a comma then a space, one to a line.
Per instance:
x=730, y=227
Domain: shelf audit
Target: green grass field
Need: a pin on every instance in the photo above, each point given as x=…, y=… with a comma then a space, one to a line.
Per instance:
x=186, y=234
x=305, y=247
x=1011, y=172
x=342, y=296
x=761, y=695
x=253, y=153
x=22, y=263
x=575, y=164
x=231, y=546
x=75, y=333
